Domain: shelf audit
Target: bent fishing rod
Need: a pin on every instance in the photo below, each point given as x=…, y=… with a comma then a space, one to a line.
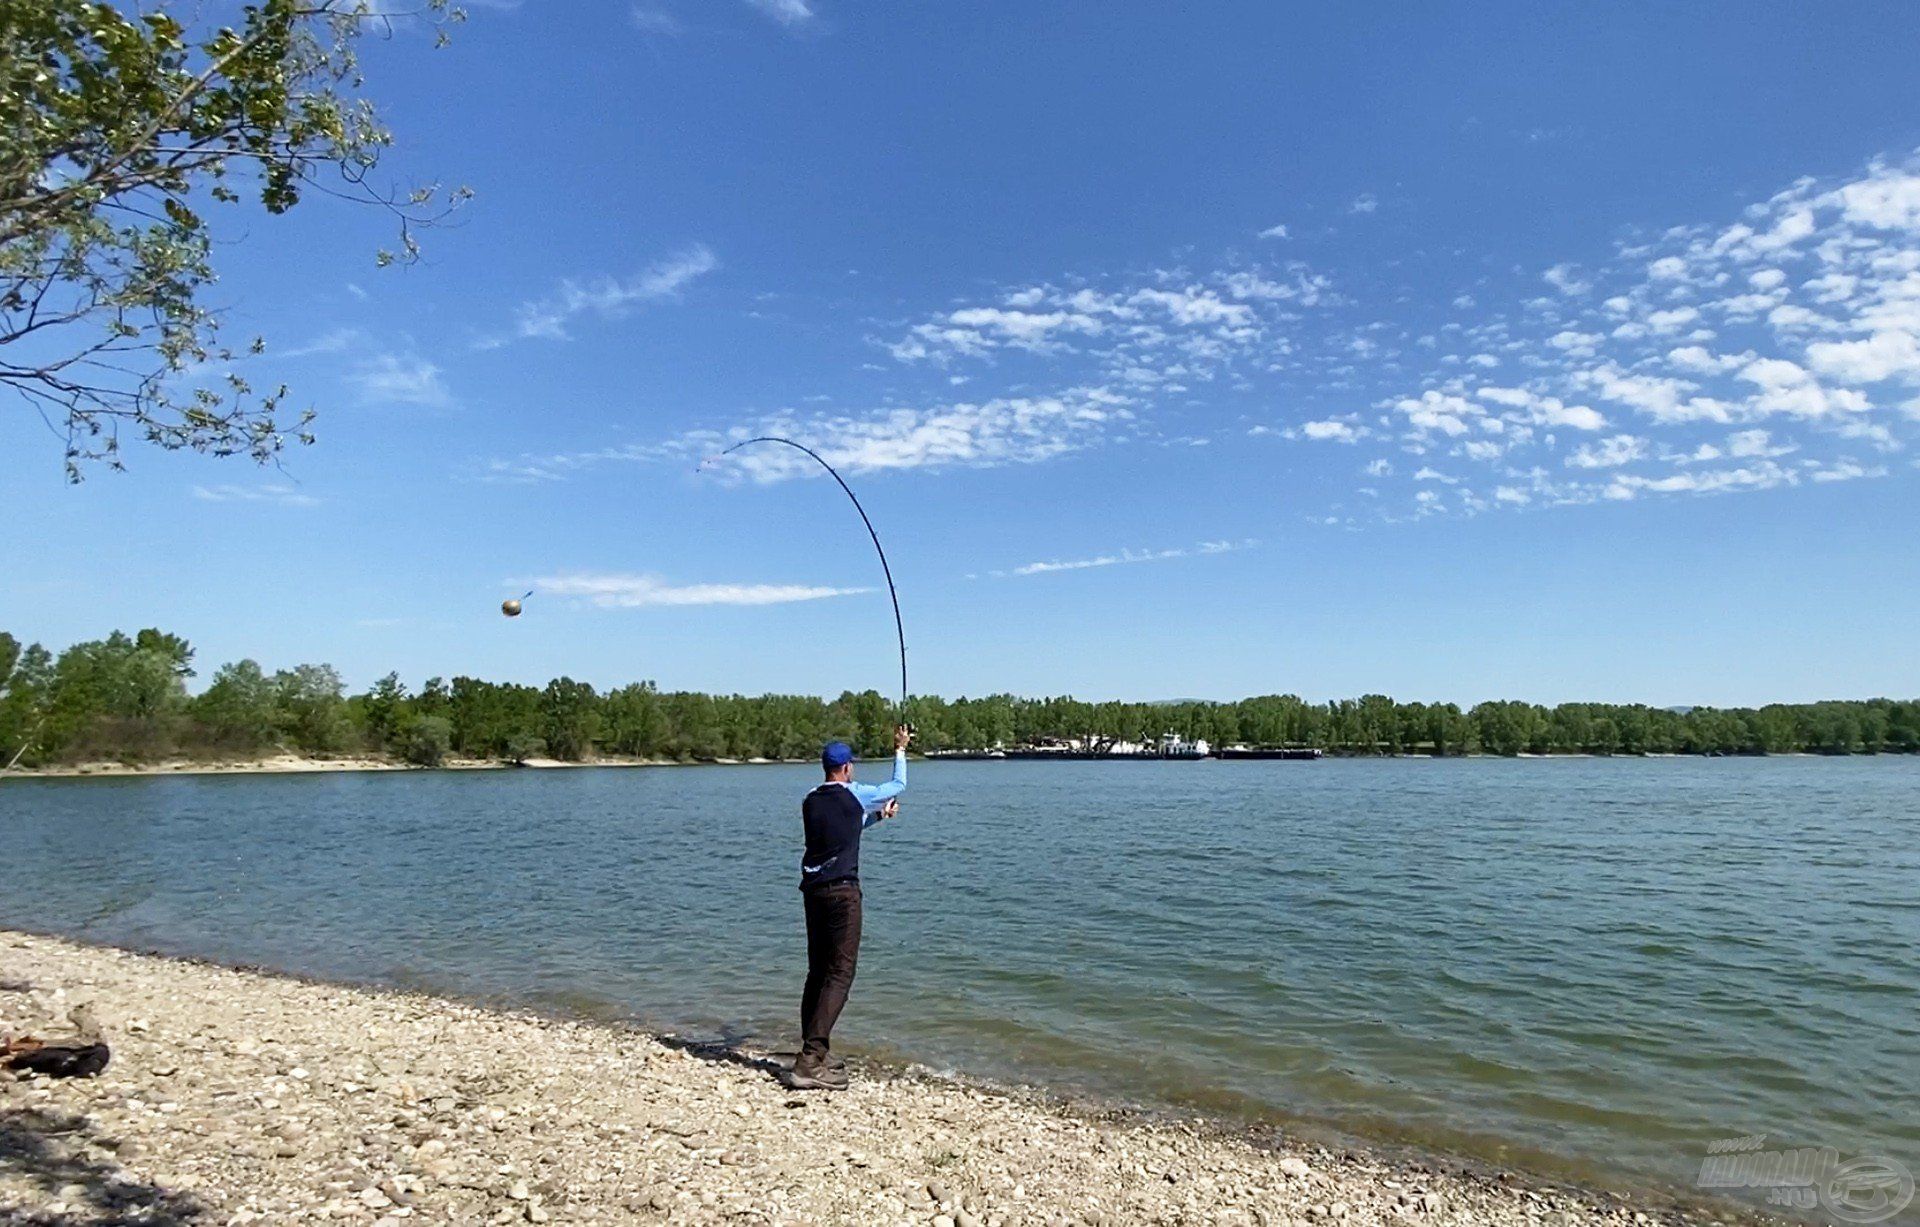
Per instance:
x=899, y=626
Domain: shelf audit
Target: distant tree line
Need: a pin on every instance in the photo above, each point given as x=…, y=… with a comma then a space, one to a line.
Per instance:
x=125, y=698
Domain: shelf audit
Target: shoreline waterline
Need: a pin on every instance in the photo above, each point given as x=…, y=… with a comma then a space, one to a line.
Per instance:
x=339, y=1057
x=291, y=764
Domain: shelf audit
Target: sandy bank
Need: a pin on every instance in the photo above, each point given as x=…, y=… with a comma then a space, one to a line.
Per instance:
x=238, y=1097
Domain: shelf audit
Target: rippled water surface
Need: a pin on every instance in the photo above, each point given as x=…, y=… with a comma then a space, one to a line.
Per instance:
x=1613, y=962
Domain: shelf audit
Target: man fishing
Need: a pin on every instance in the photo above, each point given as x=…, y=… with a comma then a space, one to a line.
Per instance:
x=834, y=815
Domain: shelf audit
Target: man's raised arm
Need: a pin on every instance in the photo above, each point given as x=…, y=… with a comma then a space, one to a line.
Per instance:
x=873, y=796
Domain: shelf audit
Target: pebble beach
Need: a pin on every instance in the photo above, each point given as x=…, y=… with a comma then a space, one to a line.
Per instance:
x=238, y=1096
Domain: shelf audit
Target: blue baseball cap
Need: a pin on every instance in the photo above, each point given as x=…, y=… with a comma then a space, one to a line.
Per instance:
x=835, y=754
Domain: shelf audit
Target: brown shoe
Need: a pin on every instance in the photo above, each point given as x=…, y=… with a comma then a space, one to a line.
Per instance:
x=816, y=1076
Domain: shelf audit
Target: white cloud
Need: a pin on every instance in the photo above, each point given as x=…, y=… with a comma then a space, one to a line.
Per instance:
x=1544, y=410
x=1743, y=443
x=1437, y=411
x=1194, y=306
x=1365, y=202
x=1275, y=231
x=608, y=297
x=1566, y=279
x=334, y=341
x=786, y=12
x=1884, y=355
x=1024, y=329
x=1764, y=476
x=399, y=379
x=986, y=434
x=1125, y=557
x=1659, y=397
x=1831, y=287
x=1577, y=344
x=1165, y=329
x=1786, y=387
x=1803, y=315
x=622, y=591
x=653, y=20
x=1886, y=201
x=1672, y=321
x=1608, y=453
x=269, y=492
x=1336, y=431
x=1846, y=470
x=1697, y=359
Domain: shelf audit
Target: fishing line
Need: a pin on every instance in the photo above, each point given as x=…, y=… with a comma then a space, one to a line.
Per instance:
x=899, y=627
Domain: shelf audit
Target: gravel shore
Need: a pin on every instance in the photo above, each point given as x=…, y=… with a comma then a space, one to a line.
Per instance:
x=243, y=1097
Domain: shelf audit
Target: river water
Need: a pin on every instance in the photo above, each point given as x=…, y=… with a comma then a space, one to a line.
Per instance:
x=1608, y=963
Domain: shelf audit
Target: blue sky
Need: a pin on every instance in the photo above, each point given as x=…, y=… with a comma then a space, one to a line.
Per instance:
x=1456, y=352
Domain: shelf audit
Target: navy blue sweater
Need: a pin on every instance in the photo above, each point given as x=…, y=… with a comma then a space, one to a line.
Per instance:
x=834, y=818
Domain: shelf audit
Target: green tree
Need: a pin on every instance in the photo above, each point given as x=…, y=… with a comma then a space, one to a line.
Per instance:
x=569, y=718
x=426, y=740
x=123, y=129
x=383, y=710
x=25, y=688
x=240, y=707
x=310, y=710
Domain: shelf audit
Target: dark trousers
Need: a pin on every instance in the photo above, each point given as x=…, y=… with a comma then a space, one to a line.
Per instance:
x=833, y=950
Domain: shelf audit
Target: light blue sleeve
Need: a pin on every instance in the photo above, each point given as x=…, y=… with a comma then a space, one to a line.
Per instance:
x=873, y=796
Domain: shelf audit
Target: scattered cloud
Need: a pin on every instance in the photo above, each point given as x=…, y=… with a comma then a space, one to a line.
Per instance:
x=334, y=341
x=650, y=20
x=1366, y=202
x=1332, y=430
x=400, y=379
x=1127, y=557
x=1566, y=279
x=788, y=13
x=1793, y=331
x=1777, y=349
x=622, y=591
x=270, y=492
x=962, y=434
x=607, y=297
x=1608, y=453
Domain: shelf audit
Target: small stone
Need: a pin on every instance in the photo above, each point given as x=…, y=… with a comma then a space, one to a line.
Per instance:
x=940, y=1193
x=537, y=1213
x=1294, y=1167
x=375, y=1198
x=941, y=1220
x=518, y=1190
